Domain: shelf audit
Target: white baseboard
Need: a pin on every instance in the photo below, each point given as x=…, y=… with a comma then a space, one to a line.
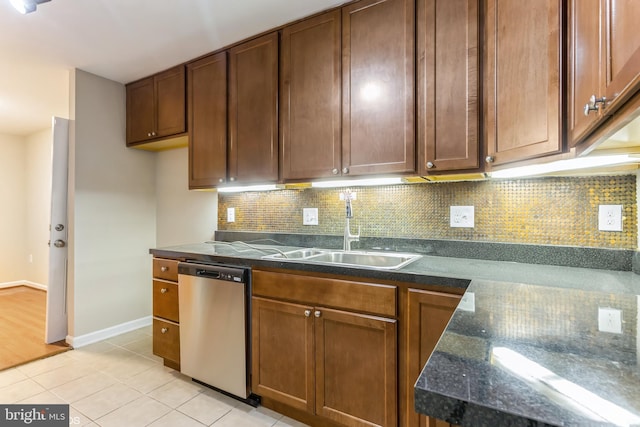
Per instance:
x=23, y=283
x=103, y=334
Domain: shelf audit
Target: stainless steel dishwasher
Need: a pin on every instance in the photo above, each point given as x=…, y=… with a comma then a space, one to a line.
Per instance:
x=213, y=304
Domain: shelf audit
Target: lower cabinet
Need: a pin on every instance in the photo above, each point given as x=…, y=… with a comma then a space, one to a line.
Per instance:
x=428, y=314
x=336, y=365
x=166, y=327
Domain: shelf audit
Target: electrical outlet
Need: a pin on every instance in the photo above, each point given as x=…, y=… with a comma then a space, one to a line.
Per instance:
x=468, y=302
x=610, y=218
x=231, y=214
x=309, y=216
x=609, y=320
x=461, y=216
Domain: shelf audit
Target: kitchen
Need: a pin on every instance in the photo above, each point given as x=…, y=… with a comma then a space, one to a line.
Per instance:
x=108, y=264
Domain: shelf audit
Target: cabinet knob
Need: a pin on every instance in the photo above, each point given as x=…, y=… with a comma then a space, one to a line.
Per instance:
x=307, y=313
x=489, y=159
x=317, y=313
x=430, y=165
x=592, y=105
x=589, y=108
x=335, y=171
x=164, y=330
x=164, y=268
x=221, y=180
x=164, y=290
x=232, y=179
x=149, y=134
x=345, y=170
x=153, y=134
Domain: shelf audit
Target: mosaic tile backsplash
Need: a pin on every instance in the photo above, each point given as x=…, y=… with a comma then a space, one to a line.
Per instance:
x=545, y=211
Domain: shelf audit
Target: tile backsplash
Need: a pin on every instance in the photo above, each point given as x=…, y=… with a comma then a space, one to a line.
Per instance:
x=545, y=211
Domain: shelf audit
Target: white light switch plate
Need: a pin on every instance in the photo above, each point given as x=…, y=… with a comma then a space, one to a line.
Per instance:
x=461, y=216
x=231, y=214
x=610, y=218
x=309, y=216
x=610, y=320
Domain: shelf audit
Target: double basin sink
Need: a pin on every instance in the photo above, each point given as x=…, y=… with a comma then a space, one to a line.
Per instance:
x=372, y=260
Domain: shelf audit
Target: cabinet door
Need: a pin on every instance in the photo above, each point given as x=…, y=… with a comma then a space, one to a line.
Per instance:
x=448, y=114
x=310, y=98
x=282, y=352
x=623, y=48
x=207, y=97
x=140, y=110
x=585, y=65
x=356, y=372
x=428, y=316
x=378, y=84
x=522, y=79
x=170, y=102
x=253, y=106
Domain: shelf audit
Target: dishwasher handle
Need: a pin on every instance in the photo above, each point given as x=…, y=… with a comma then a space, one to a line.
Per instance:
x=208, y=274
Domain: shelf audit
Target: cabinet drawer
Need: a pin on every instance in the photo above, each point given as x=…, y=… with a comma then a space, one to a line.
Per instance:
x=166, y=340
x=335, y=293
x=165, y=300
x=166, y=269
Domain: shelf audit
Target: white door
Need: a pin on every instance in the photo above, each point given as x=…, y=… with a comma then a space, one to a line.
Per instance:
x=56, y=328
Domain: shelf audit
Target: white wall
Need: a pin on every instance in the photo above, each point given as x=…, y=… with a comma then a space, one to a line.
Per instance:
x=38, y=205
x=112, y=211
x=12, y=209
x=183, y=216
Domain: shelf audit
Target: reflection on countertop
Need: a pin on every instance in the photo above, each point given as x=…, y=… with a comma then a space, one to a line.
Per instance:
x=533, y=355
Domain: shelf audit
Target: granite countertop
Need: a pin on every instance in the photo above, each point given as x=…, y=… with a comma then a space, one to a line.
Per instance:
x=540, y=317
x=533, y=355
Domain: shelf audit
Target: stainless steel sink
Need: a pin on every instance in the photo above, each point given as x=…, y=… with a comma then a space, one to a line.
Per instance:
x=373, y=260
x=297, y=254
x=376, y=260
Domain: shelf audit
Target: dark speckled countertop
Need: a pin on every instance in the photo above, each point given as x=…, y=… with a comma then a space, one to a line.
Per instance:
x=529, y=354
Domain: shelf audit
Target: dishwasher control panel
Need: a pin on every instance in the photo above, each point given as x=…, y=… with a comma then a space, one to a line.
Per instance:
x=215, y=272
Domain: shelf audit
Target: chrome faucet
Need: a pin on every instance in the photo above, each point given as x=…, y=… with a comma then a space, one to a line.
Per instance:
x=348, y=237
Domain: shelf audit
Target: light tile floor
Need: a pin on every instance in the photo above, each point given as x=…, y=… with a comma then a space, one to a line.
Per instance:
x=119, y=382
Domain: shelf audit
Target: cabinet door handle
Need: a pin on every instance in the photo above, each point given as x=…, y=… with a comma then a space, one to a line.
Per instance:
x=164, y=290
x=232, y=179
x=489, y=159
x=307, y=313
x=221, y=180
x=317, y=313
x=430, y=165
x=335, y=171
x=148, y=133
x=164, y=330
x=345, y=170
x=164, y=268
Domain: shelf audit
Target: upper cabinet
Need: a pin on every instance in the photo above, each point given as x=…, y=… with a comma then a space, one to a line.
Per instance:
x=156, y=106
x=447, y=87
x=604, y=61
x=253, y=111
x=378, y=87
x=310, y=88
x=522, y=82
x=207, y=97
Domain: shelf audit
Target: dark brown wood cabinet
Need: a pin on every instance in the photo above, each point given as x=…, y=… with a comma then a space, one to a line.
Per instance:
x=427, y=316
x=522, y=81
x=310, y=97
x=378, y=87
x=166, y=319
x=253, y=111
x=604, y=61
x=207, y=100
x=335, y=365
x=156, y=106
x=447, y=52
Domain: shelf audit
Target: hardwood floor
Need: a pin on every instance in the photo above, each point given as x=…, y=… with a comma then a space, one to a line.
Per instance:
x=22, y=323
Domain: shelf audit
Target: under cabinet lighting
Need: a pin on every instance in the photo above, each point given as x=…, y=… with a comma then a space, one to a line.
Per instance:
x=565, y=165
x=357, y=182
x=263, y=187
x=26, y=6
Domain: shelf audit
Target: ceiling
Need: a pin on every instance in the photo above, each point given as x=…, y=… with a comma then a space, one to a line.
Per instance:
x=122, y=40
